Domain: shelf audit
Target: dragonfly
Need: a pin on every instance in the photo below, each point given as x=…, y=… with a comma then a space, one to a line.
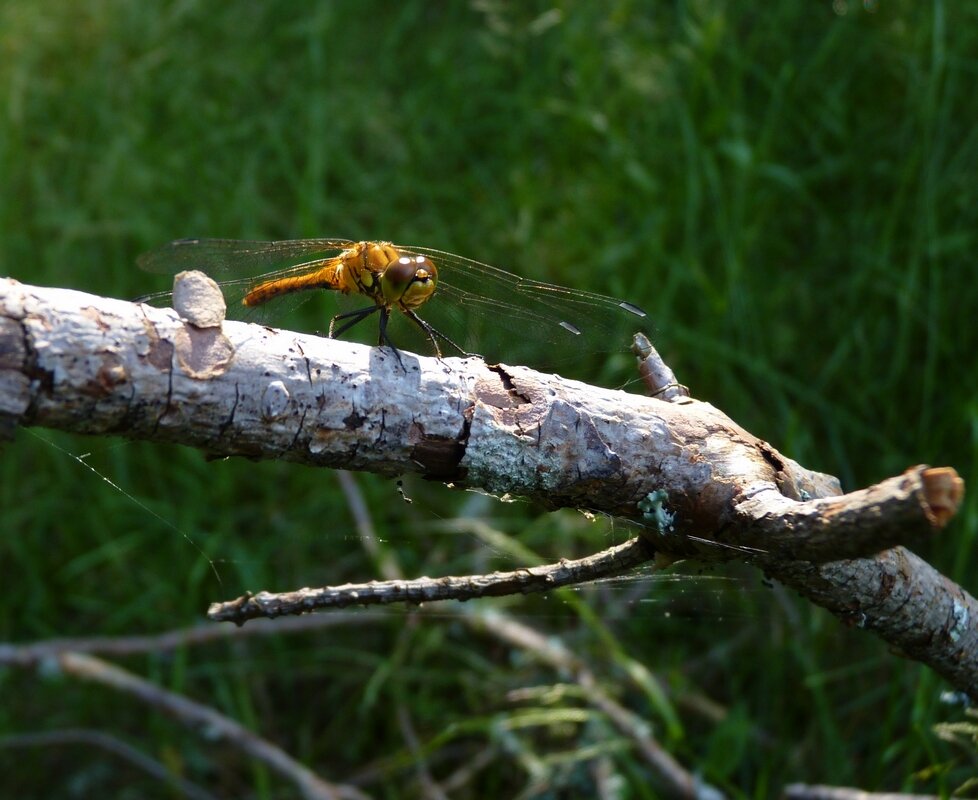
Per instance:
x=400, y=280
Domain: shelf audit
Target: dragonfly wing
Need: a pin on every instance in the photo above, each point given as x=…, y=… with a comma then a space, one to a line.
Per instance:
x=553, y=310
x=238, y=258
x=240, y=266
x=581, y=306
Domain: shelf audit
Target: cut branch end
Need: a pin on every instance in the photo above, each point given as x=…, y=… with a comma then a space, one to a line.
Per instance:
x=942, y=495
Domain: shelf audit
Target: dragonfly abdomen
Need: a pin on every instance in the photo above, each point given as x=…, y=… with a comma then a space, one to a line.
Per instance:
x=331, y=277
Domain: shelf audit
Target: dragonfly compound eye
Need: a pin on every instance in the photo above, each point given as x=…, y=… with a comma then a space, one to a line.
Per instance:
x=409, y=281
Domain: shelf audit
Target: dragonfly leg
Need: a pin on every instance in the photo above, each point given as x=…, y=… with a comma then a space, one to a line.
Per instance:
x=359, y=315
x=353, y=316
x=385, y=315
x=433, y=334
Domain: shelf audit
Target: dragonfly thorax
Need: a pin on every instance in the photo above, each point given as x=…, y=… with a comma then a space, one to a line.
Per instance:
x=379, y=271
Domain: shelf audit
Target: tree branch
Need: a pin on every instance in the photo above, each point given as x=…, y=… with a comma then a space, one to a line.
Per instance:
x=701, y=485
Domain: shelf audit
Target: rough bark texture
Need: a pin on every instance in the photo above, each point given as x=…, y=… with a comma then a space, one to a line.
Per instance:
x=904, y=600
x=100, y=366
x=700, y=484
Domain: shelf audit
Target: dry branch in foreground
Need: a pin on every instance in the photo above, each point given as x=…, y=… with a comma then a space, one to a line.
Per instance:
x=700, y=484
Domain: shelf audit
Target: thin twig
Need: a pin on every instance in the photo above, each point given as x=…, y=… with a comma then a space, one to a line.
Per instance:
x=111, y=744
x=467, y=771
x=429, y=787
x=658, y=377
x=200, y=717
x=676, y=780
x=613, y=561
x=384, y=561
x=28, y=654
x=803, y=791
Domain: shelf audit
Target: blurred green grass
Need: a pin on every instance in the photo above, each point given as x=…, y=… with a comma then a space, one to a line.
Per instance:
x=790, y=191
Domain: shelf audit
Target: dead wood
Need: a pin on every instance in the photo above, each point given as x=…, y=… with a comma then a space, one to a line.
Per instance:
x=699, y=485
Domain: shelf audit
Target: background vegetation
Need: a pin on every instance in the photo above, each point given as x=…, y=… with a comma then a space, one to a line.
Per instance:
x=790, y=189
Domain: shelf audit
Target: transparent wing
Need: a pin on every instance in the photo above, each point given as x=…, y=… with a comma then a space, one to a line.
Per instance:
x=508, y=314
x=239, y=265
x=238, y=260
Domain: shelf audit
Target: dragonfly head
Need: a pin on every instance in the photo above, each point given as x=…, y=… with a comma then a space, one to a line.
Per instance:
x=409, y=281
